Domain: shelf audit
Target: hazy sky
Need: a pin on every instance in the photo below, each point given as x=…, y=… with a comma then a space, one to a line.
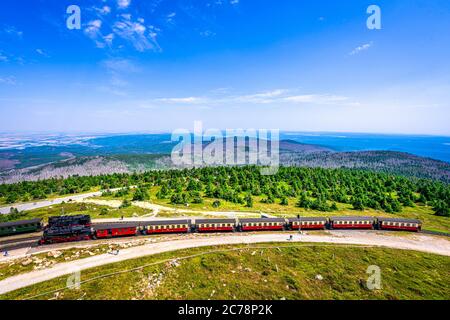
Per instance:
x=158, y=65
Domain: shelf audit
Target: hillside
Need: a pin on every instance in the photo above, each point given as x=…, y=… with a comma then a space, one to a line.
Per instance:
x=272, y=271
x=380, y=161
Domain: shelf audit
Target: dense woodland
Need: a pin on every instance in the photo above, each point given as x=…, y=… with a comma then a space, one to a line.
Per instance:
x=314, y=188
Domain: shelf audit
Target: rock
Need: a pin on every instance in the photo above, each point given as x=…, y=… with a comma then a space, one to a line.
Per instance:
x=283, y=298
x=253, y=253
x=319, y=277
x=54, y=254
x=27, y=262
x=175, y=263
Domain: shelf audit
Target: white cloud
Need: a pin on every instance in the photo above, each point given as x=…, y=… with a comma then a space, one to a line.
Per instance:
x=234, y=2
x=123, y=4
x=186, y=100
x=3, y=58
x=316, y=99
x=264, y=97
x=8, y=80
x=13, y=31
x=136, y=33
x=105, y=10
x=42, y=53
x=93, y=28
x=361, y=48
x=207, y=33
x=120, y=66
x=275, y=97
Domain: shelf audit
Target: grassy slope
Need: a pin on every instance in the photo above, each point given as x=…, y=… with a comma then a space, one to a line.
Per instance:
x=268, y=273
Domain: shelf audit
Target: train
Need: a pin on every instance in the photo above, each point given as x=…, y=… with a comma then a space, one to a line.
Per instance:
x=19, y=227
x=80, y=227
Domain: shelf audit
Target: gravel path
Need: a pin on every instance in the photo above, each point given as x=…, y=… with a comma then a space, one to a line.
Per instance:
x=46, y=203
x=422, y=243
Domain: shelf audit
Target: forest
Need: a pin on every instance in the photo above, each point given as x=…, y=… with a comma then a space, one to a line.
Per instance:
x=314, y=188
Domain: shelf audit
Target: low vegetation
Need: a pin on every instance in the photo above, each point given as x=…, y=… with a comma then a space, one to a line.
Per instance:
x=271, y=271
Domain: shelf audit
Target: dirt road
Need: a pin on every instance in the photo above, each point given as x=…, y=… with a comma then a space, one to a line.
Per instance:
x=418, y=242
x=46, y=203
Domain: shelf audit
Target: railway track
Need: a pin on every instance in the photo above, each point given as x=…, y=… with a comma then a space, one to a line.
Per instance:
x=21, y=243
x=32, y=241
x=436, y=233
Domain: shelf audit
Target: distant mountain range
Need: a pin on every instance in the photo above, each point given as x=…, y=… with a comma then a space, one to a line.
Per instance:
x=130, y=153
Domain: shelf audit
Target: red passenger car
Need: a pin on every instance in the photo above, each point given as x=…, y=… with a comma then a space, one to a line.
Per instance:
x=352, y=222
x=308, y=223
x=399, y=224
x=113, y=230
x=263, y=224
x=168, y=226
x=215, y=225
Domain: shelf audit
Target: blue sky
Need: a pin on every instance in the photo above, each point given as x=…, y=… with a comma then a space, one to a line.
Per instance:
x=158, y=65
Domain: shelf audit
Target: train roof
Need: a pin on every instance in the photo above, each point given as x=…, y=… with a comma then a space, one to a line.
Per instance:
x=75, y=216
x=19, y=223
x=308, y=219
x=215, y=221
x=399, y=220
x=164, y=222
x=353, y=218
x=251, y=220
x=115, y=225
